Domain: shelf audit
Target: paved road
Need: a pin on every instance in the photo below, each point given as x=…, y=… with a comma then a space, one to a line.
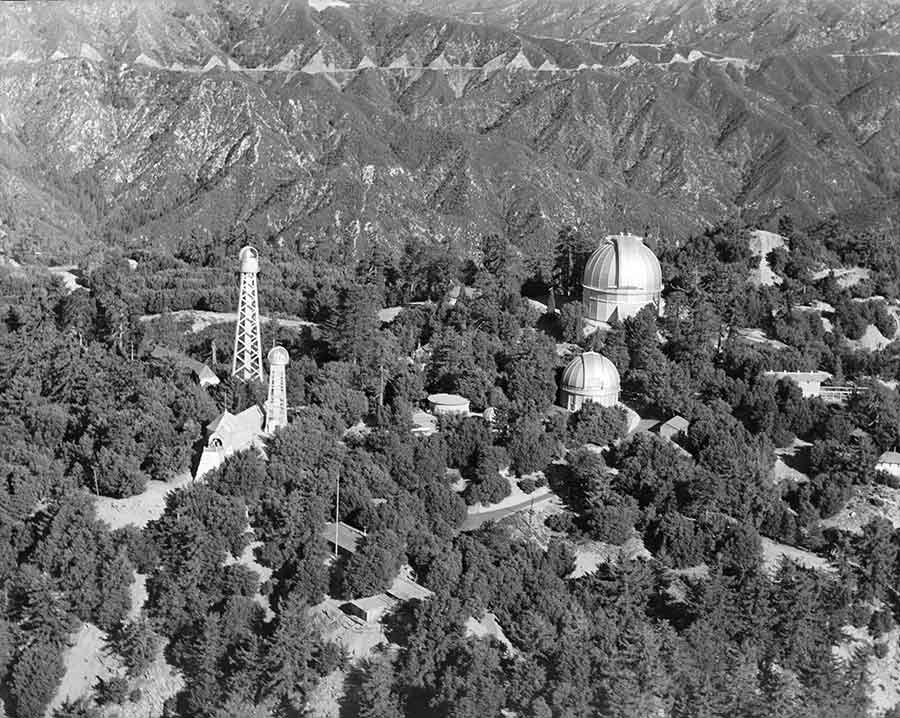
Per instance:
x=473, y=521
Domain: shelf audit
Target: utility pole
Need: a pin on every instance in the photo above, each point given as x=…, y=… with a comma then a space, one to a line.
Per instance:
x=337, y=513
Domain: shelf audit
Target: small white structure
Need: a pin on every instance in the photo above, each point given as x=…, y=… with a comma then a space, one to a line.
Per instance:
x=342, y=537
x=589, y=377
x=404, y=588
x=810, y=382
x=621, y=277
x=205, y=376
x=889, y=462
x=674, y=427
x=229, y=434
x=448, y=404
x=370, y=609
x=276, y=404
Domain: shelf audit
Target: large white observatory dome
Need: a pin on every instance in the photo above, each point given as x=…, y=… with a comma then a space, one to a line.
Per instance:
x=621, y=277
x=589, y=377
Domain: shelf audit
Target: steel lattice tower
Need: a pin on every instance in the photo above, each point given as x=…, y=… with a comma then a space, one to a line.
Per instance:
x=247, y=361
x=276, y=404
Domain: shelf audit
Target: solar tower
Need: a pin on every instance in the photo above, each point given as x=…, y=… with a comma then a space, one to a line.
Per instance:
x=276, y=404
x=247, y=362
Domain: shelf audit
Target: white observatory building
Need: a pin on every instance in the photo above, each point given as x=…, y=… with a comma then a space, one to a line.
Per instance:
x=589, y=377
x=276, y=404
x=621, y=277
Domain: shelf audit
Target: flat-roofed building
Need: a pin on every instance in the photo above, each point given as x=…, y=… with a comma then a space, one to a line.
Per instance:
x=889, y=462
x=344, y=536
x=810, y=382
x=673, y=428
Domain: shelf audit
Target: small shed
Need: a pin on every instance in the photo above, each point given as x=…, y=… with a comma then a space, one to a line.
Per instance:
x=205, y=376
x=810, y=382
x=889, y=462
x=346, y=536
x=370, y=609
x=404, y=588
x=448, y=404
x=673, y=428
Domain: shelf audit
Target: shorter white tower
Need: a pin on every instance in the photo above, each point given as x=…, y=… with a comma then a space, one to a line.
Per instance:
x=276, y=404
x=247, y=362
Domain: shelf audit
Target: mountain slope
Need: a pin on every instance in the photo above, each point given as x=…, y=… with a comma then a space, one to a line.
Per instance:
x=190, y=117
x=745, y=28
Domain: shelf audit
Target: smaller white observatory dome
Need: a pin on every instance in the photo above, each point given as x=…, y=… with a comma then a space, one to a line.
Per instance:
x=621, y=277
x=278, y=356
x=249, y=260
x=589, y=377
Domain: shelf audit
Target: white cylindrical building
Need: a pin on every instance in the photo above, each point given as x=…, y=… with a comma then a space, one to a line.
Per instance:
x=621, y=277
x=589, y=377
x=452, y=404
x=276, y=404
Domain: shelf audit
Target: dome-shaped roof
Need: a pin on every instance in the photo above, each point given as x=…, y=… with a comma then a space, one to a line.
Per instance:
x=590, y=372
x=278, y=356
x=623, y=261
x=249, y=259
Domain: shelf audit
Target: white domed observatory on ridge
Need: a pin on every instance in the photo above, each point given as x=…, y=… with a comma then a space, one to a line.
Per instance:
x=589, y=377
x=621, y=277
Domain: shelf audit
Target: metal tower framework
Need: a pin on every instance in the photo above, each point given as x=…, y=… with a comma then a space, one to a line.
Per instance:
x=247, y=361
x=276, y=404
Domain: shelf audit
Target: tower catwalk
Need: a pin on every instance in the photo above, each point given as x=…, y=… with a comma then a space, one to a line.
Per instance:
x=276, y=404
x=247, y=361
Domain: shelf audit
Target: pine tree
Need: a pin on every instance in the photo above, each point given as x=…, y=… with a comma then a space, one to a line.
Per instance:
x=290, y=655
x=377, y=698
x=35, y=677
x=137, y=643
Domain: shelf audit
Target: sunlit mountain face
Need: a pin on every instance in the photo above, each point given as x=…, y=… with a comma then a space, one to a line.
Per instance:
x=353, y=124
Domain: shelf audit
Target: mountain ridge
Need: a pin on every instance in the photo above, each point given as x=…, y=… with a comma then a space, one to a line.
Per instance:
x=144, y=147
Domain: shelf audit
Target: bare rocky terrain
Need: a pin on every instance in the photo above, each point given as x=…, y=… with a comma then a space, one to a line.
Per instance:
x=144, y=123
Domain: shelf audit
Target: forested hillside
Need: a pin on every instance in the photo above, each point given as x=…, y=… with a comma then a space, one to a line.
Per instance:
x=424, y=183
x=705, y=624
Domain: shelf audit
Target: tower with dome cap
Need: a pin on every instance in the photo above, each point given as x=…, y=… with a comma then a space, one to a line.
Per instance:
x=246, y=363
x=276, y=404
x=621, y=277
